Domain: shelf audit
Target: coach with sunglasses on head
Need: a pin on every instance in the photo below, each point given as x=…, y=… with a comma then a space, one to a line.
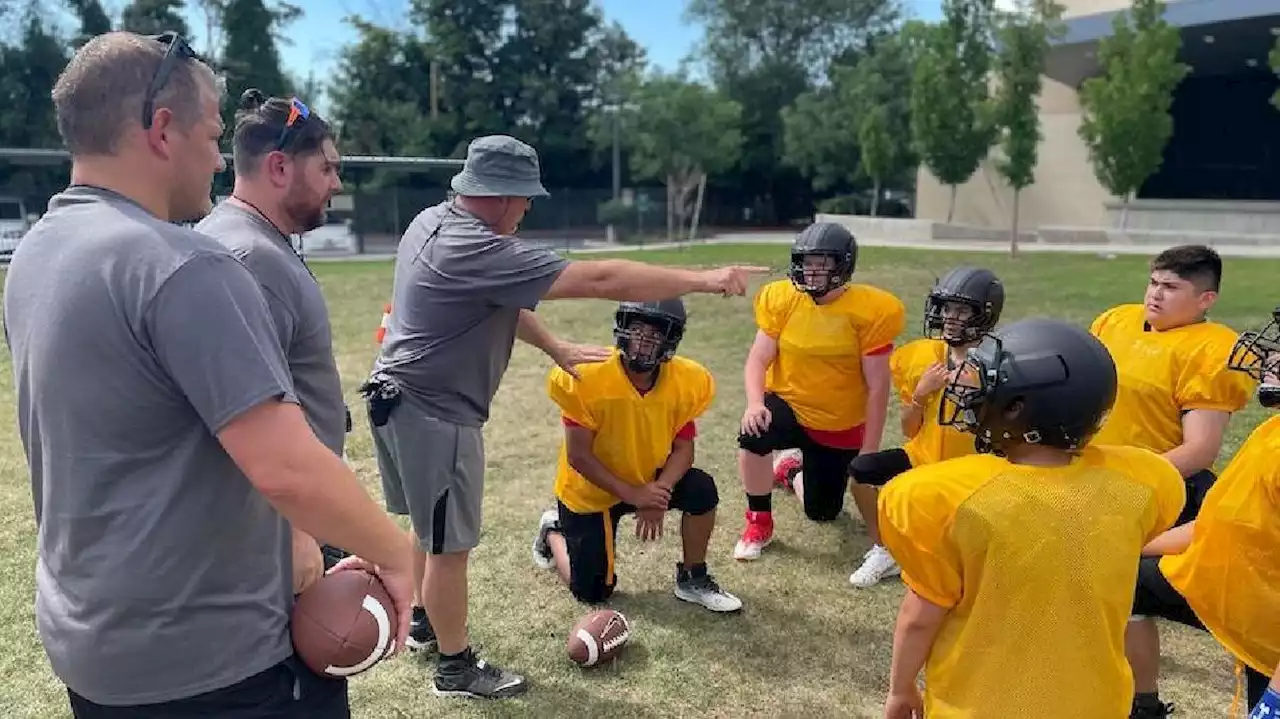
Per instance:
x=168, y=455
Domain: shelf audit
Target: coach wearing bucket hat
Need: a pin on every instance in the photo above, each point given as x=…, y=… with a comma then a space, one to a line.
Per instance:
x=465, y=288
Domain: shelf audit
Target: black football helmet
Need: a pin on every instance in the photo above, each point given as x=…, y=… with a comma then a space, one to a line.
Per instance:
x=823, y=239
x=1257, y=354
x=976, y=288
x=1037, y=381
x=648, y=333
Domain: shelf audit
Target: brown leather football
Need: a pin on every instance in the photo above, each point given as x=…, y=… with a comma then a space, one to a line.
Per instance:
x=598, y=637
x=344, y=624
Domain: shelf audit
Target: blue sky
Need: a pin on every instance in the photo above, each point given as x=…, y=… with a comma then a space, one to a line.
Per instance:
x=654, y=24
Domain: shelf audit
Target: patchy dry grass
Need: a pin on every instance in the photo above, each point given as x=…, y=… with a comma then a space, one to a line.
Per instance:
x=806, y=643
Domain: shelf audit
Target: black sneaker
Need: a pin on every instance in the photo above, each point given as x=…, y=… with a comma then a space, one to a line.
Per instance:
x=1149, y=710
x=421, y=636
x=471, y=678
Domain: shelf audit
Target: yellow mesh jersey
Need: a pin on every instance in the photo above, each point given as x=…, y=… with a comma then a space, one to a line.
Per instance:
x=818, y=370
x=1163, y=374
x=634, y=432
x=1230, y=575
x=1037, y=567
x=933, y=443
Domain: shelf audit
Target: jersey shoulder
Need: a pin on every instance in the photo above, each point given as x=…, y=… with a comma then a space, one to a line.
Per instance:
x=687, y=370
x=871, y=301
x=1124, y=317
x=922, y=351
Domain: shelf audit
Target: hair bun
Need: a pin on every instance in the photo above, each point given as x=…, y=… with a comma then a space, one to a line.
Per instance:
x=252, y=99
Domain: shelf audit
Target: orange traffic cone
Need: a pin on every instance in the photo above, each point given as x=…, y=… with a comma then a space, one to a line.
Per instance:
x=381, y=332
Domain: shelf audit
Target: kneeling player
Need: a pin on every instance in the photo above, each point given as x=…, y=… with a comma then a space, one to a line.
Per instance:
x=817, y=379
x=1017, y=559
x=1221, y=571
x=628, y=449
x=961, y=308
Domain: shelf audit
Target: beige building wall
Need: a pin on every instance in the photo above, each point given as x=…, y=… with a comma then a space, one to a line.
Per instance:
x=1065, y=191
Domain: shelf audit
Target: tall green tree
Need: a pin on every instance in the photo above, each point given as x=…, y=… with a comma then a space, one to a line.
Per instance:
x=951, y=110
x=764, y=54
x=678, y=133
x=1275, y=67
x=93, y=18
x=1126, y=122
x=152, y=17
x=1024, y=37
x=250, y=57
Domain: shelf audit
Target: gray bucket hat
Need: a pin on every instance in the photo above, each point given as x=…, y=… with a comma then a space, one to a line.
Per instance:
x=499, y=166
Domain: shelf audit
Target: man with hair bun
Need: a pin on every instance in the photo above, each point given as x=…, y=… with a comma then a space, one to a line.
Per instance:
x=168, y=454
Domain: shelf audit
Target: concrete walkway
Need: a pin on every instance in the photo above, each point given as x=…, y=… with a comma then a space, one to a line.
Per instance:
x=783, y=238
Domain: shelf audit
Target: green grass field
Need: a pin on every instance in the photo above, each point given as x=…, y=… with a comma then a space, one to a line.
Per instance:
x=806, y=643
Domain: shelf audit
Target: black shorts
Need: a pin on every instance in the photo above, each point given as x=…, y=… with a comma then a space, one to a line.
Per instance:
x=826, y=469
x=1156, y=597
x=288, y=690
x=1198, y=486
x=877, y=468
x=590, y=539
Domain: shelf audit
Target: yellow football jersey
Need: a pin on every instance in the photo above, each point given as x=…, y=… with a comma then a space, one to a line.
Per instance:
x=633, y=431
x=933, y=443
x=1163, y=374
x=1230, y=575
x=1037, y=567
x=818, y=370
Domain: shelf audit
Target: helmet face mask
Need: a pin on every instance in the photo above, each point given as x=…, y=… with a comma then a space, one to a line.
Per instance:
x=1257, y=354
x=957, y=321
x=818, y=273
x=646, y=337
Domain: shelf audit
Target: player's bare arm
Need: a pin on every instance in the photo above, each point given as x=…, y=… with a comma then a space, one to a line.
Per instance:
x=1174, y=541
x=567, y=355
x=875, y=370
x=764, y=350
x=310, y=485
x=1202, y=431
x=578, y=443
x=919, y=622
x=649, y=521
x=933, y=380
x=625, y=280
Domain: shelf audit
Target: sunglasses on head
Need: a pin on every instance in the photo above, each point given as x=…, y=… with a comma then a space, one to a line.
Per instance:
x=177, y=50
x=298, y=113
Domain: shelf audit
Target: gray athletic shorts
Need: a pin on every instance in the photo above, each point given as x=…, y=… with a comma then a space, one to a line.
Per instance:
x=432, y=471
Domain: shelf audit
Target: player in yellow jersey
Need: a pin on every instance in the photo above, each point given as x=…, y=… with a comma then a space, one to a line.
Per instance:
x=1176, y=393
x=1221, y=571
x=1017, y=559
x=817, y=379
x=628, y=449
x=961, y=308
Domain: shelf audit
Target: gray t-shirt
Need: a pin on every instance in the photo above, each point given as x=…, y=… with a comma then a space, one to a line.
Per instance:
x=456, y=300
x=161, y=572
x=298, y=308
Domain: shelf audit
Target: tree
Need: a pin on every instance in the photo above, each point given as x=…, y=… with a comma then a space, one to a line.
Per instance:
x=152, y=17
x=93, y=20
x=250, y=57
x=820, y=137
x=1126, y=122
x=678, y=133
x=764, y=54
x=1275, y=67
x=951, y=112
x=1024, y=37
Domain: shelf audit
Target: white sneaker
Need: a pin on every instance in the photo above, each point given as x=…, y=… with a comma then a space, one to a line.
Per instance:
x=877, y=564
x=542, y=557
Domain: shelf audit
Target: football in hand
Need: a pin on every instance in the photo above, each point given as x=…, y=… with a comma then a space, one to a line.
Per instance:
x=598, y=637
x=344, y=624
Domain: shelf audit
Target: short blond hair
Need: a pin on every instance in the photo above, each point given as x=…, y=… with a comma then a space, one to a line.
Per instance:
x=100, y=93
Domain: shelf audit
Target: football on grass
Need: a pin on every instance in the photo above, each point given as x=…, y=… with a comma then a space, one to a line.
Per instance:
x=598, y=637
x=344, y=624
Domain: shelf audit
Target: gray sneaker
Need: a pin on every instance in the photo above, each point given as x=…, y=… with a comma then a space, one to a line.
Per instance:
x=471, y=678
x=542, y=557
x=703, y=589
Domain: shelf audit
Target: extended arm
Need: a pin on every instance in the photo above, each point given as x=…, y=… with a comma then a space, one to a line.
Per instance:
x=875, y=368
x=1202, y=431
x=919, y=621
x=763, y=351
x=678, y=462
